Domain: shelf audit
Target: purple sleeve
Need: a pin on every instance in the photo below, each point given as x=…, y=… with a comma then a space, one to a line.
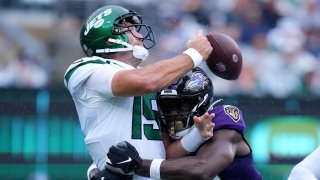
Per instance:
x=228, y=117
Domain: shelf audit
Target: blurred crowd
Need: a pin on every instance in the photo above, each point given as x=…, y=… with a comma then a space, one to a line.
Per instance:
x=279, y=40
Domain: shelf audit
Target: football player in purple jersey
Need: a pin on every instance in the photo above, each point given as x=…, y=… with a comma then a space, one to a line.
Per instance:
x=226, y=154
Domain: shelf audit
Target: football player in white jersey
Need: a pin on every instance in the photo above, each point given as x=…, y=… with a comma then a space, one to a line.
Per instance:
x=308, y=168
x=114, y=99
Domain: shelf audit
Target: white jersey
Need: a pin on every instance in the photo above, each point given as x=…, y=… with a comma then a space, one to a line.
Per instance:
x=105, y=119
x=308, y=168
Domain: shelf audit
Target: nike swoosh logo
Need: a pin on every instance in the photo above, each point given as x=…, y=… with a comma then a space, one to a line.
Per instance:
x=128, y=160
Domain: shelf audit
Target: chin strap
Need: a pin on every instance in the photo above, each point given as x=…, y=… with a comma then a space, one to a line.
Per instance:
x=137, y=51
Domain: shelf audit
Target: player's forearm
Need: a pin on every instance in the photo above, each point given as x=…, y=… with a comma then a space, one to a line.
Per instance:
x=144, y=170
x=151, y=78
x=186, y=168
x=175, y=150
x=188, y=144
x=165, y=72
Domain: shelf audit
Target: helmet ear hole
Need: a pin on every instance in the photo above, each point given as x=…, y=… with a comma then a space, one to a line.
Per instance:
x=116, y=30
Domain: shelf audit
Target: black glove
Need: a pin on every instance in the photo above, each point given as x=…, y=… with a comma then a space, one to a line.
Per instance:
x=123, y=158
x=108, y=175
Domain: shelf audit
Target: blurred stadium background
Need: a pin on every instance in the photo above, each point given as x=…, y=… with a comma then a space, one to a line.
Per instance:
x=278, y=90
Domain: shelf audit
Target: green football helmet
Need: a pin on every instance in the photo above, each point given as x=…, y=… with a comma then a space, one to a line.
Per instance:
x=107, y=23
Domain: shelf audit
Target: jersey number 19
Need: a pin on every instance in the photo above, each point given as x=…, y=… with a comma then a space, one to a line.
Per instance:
x=142, y=106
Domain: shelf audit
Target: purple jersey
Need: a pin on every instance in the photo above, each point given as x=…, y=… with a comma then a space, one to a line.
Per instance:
x=228, y=117
x=242, y=167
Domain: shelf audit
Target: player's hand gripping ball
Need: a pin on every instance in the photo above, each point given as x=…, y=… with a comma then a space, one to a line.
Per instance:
x=225, y=60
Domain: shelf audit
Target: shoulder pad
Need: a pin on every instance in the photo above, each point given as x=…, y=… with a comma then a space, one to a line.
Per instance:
x=228, y=117
x=83, y=61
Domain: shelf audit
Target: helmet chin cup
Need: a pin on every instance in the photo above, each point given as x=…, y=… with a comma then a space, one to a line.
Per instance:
x=140, y=52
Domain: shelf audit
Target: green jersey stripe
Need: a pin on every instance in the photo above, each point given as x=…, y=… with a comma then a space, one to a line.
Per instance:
x=71, y=71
